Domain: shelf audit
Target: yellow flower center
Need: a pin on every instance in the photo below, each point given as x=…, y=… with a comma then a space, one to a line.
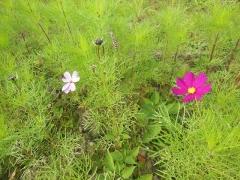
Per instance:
x=191, y=90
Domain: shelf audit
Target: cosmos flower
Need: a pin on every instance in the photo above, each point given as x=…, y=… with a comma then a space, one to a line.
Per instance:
x=70, y=81
x=192, y=87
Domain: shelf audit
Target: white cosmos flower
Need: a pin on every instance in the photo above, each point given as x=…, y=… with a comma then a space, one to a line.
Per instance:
x=70, y=81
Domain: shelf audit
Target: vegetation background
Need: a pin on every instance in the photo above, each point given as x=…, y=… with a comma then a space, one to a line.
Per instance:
x=122, y=122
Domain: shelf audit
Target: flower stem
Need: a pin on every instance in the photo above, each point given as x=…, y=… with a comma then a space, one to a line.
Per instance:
x=41, y=27
x=231, y=58
x=214, y=47
x=65, y=17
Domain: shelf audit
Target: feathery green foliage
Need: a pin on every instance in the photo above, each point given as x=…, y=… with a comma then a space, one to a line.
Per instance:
x=122, y=122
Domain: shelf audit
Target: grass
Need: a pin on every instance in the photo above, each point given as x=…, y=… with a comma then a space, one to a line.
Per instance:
x=122, y=122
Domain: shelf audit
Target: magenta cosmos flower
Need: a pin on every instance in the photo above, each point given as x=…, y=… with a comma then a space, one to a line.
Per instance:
x=192, y=87
x=70, y=81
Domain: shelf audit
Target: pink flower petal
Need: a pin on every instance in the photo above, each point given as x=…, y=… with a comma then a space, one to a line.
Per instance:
x=66, y=88
x=72, y=87
x=188, y=79
x=180, y=83
x=188, y=98
x=198, y=97
x=67, y=77
x=179, y=91
x=204, y=89
x=75, y=76
x=200, y=80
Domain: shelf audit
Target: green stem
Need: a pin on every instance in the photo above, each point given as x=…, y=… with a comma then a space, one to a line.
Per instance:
x=214, y=47
x=41, y=27
x=230, y=60
x=65, y=17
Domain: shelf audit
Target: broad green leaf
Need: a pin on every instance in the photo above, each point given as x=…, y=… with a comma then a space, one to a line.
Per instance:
x=131, y=156
x=147, y=110
x=146, y=177
x=119, y=166
x=147, y=102
x=127, y=172
x=117, y=156
x=155, y=98
x=151, y=132
x=134, y=152
x=130, y=160
x=103, y=177
x=173, y=108
x=109, y=163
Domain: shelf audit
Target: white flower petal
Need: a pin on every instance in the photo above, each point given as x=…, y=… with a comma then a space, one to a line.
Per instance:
x=75, y=76
x=67, y=77
x=67, y=91
x=72, y=87
x=65, y=80
x=66, y=88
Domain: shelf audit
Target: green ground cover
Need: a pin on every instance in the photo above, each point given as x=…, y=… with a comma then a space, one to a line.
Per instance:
x=123, y=121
